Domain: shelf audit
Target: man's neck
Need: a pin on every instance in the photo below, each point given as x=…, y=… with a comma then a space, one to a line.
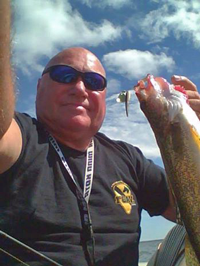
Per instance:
x=75, y=139
x=77, y=144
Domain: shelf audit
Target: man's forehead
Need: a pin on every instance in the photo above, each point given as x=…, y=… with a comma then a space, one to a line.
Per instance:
x=78, y=58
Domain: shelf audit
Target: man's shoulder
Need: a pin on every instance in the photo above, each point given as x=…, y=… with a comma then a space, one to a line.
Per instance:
x=26, y=122
x=101, y=137
x=24, y=117
x=117, y=145
x=31, y=128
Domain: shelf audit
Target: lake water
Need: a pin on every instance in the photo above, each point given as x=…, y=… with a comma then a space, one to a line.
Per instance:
x=147, y=249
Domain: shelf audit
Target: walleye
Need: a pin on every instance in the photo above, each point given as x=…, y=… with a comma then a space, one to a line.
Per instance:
x=177, y=131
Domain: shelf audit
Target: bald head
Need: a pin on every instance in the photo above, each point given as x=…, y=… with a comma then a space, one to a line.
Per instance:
x=81, y=57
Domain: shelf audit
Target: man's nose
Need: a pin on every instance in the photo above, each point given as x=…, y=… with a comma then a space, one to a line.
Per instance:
x=79, y=87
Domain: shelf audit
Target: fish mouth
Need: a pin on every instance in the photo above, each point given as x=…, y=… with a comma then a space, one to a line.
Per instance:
x=149, y=84
x=159, y=87
x=161, y=96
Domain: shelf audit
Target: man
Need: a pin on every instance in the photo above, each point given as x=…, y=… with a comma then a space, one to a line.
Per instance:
x=67, y=191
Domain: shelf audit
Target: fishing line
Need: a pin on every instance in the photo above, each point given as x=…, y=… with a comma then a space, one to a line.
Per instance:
x=33, y=251
x=12, y=256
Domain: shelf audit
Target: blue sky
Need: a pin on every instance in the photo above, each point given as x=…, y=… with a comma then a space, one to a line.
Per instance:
x=131, y=37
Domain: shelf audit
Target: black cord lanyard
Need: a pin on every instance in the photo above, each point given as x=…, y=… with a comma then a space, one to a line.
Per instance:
x=83, y=198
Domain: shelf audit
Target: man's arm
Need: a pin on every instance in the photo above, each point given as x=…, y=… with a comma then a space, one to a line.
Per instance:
x=6, y=82
x=170, y=212
x=10, y=135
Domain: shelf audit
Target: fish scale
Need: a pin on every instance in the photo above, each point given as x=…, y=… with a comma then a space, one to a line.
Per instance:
x=177, y=131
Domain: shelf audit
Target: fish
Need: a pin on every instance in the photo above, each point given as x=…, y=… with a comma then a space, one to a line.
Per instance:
x=177, y=131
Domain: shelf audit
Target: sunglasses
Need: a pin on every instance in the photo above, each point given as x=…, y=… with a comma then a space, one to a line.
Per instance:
x=66, y=74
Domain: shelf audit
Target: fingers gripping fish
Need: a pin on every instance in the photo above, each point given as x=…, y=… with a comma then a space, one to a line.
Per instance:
x=177, y=131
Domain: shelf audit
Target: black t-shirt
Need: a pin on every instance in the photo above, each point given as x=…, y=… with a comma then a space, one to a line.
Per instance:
x=38, y=203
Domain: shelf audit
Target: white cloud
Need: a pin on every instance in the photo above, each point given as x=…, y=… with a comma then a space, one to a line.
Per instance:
x=182, y=18
x=41, y=28
x=133, y=129
x=137, y=64
x=113, y=86
x=107, y=3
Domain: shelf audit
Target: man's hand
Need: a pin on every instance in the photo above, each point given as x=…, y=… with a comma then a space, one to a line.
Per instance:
x=191, y=90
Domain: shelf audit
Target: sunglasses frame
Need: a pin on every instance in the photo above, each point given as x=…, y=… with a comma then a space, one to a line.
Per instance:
x=79, y=73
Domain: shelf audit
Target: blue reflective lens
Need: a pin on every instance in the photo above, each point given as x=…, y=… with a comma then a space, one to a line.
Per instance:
x=67, y=74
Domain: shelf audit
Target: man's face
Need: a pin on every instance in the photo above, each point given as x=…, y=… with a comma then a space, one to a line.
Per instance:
x=71, y=108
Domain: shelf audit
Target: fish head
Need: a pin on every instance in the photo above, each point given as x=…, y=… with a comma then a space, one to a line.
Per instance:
x=159, y=100
x=151, y=87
